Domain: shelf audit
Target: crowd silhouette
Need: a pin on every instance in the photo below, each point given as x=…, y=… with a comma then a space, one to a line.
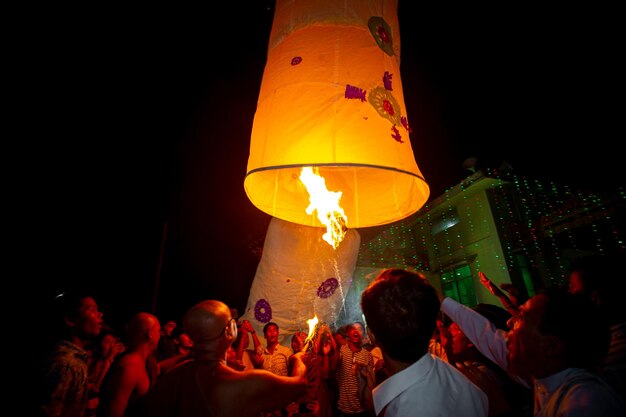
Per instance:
x=561, y=352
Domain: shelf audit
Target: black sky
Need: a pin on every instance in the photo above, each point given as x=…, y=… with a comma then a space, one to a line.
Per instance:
x=137, y=119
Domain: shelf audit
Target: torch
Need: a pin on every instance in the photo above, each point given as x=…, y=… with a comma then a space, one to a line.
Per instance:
x=308, y=342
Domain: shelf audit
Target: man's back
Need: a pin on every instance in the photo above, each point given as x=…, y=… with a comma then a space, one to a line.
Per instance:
x=125, y=386
x=211, y=389
x=177, y=393
x=433, y=387
x=401, y=309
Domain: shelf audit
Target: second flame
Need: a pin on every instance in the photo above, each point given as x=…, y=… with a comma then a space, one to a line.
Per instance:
x=312, y=324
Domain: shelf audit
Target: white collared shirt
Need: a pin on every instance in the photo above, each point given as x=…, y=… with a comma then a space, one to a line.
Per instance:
x=429, y=387
x=575, y=392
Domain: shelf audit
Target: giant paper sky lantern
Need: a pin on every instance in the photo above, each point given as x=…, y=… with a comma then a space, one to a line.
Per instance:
x=331, y=99
x=329, y=147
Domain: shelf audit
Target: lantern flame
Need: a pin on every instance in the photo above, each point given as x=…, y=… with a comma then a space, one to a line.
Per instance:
x=329, y=212
x=312, y=324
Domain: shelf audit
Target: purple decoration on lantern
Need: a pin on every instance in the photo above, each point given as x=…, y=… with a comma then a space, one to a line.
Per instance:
x=387, y=81
x=327, y=288
x=396, y=134
x=405, y=124
x=355, y=92
x=263, y=311
x=296, y=60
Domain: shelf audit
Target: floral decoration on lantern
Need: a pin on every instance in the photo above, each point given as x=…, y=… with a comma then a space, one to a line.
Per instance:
x=263, y=311
x=381, y=31
x=385, y=104
x=327, y=288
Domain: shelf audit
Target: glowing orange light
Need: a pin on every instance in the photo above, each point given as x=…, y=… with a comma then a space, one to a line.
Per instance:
x=312, y=324
x=326, y=203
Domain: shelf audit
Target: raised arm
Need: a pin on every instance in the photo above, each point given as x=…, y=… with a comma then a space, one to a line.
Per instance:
x=262, y=391
x=504, y=299
x=255, y=339
x=489, y=340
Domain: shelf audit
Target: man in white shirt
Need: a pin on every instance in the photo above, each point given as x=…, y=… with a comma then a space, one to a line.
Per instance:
x=554, y=342
x=400, y=309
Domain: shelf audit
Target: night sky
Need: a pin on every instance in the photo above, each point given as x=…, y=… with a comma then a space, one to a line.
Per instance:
x=140, y=120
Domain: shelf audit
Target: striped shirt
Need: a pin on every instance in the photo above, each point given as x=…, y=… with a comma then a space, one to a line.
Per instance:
x=348, y=381
x=278, y=361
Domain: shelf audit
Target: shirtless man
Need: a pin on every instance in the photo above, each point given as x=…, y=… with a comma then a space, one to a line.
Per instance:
x=207, y=386
x=134, y=373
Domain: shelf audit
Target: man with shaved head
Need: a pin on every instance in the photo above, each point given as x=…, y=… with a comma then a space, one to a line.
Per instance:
x=131, y=376
x=206, y=386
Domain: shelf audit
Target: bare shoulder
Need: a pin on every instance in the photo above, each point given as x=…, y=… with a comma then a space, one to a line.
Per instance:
x=131, y=359
x=131, y=366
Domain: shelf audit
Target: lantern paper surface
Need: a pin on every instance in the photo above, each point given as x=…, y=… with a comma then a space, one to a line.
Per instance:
x=331, y=97
x=300, y=276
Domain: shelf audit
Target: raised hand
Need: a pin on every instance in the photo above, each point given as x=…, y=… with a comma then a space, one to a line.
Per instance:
x=247, y=326
x=488, y=284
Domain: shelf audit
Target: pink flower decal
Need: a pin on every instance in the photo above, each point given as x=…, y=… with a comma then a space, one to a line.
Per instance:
x=388, y=107
x=383, y=34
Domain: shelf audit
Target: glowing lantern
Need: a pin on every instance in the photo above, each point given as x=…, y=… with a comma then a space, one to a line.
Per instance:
x=331, y=98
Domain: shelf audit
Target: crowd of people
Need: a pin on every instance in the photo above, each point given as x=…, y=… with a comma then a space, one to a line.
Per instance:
x=560, y=352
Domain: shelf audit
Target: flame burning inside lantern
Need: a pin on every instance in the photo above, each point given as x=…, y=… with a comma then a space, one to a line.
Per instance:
x=329, y=212
x=312, y=324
